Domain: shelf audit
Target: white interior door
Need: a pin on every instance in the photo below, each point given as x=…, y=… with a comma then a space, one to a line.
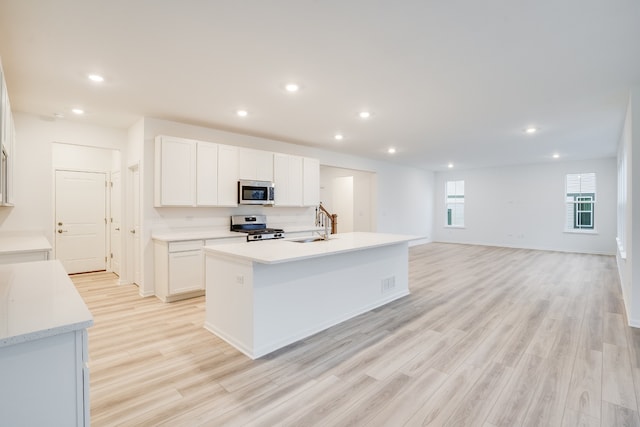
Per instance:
x=342, y=203
x=80, y=231
x=116, y=221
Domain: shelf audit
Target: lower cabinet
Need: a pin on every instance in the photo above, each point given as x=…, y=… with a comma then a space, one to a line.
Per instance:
x=49, y=381
x=179, y=267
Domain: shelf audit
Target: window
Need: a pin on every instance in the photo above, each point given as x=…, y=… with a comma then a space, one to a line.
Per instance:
x=455, y=203
x=581, y=201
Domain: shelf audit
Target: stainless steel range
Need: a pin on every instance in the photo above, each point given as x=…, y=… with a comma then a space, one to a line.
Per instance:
x=256, y=227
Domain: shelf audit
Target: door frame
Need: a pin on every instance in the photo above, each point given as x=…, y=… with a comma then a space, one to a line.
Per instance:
x=107, y=195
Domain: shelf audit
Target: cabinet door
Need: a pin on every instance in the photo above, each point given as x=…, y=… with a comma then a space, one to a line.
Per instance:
x=186, y=271
x=227, y=175
x=207, y=174
x=264, y=165
x=255, y=165
x=175, y=172
x=311, y=182
x=281, y=179
x=296, y=181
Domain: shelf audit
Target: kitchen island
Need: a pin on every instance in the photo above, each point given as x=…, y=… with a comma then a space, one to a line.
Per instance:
x=262, y=296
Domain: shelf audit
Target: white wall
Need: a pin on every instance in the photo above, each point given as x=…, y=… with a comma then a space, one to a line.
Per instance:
x=523, y=206
x=33, y=173
x=629, y=205
x=397, y=208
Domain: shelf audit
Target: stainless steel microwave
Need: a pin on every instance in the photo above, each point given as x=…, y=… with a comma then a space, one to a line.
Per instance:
x=256, y=192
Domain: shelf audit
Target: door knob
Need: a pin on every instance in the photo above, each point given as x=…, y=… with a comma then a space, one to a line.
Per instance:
x=62, y=231
x=59, y=223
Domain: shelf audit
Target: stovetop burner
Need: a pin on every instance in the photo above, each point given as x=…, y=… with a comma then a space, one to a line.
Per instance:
x=256, y=227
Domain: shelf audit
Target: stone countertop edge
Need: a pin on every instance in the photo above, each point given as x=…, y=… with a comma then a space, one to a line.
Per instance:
x=287, y=250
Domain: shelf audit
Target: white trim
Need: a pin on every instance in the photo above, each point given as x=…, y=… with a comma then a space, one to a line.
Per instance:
x=581, y=231
x=455, y=226
x=621, y=251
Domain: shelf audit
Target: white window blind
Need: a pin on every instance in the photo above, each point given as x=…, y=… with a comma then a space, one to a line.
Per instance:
x=580, y=198
x=455, y=203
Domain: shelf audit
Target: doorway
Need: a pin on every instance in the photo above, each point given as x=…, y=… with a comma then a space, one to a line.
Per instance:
x=81, y=220
x=350, y=194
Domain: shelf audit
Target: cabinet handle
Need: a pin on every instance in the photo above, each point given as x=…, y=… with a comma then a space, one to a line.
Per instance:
x=132, y=231
x=117, y=228
x=62, y=231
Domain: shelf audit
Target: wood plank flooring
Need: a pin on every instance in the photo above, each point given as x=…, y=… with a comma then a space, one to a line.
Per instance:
x=488, y=337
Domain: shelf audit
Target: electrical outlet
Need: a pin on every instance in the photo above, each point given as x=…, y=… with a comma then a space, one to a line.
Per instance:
x=388, y=284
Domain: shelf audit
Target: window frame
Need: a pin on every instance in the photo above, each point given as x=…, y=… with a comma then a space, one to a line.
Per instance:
x=578, y=202
x=455, y=199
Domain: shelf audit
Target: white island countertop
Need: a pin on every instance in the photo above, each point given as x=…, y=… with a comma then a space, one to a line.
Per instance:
x=38, y=300
x=286, y=250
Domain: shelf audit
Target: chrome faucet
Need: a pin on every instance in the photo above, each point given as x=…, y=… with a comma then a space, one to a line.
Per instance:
x=323, y=219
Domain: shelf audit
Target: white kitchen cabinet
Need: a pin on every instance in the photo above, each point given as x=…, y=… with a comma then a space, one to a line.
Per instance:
x=207, y=174
x=287, y=174
x=256, y=165
x=311, y=182
x=179, y=267
x=227, y=175
x=175, y=171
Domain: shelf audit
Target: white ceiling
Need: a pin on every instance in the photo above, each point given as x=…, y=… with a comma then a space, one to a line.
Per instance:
x=446, y=81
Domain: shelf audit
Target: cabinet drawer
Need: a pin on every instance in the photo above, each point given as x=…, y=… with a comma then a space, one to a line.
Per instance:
x=189, y=245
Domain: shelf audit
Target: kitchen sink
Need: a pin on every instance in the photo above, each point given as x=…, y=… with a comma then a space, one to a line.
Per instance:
x=309, y=240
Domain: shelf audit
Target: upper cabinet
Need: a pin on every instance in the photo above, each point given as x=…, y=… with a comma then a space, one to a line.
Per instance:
x=7, y=145
x=227, y=175
x=206, y=174
x=311, y=182
x=256, y=165
x=175, y=171
x=287, y=175
x=297, y=180
x=195, y=173
x=198, y=173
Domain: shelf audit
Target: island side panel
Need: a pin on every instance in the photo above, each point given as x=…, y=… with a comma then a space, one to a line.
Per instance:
x=229, y=301
x=297, y=299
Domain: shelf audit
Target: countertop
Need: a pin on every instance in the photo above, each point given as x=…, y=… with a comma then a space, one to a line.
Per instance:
x=179, y=235
x=17, y=242
x=204, y=234
x=286, y=250
x=38, y=300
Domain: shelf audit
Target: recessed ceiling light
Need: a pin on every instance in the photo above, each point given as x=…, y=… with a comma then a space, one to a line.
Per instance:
x=292, y=87
x=365, y=114
x=242, y=113
x=338, y=136
x=556, y=156
x=96, y=78
x=391, y=150
x=531, y=130
x=78, y=111
x=450, y=165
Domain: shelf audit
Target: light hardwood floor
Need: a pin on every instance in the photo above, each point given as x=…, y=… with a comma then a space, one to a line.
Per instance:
x=488, y=337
